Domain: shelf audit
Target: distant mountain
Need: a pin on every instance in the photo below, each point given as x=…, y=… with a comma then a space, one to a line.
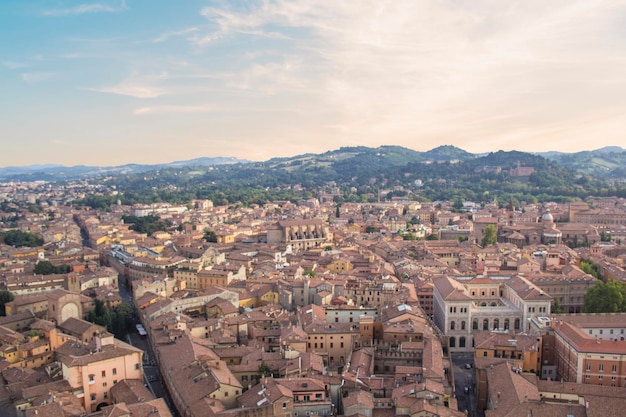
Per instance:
x=59, y=172
x=357, y=165
x=448, y=153
x=607, y=162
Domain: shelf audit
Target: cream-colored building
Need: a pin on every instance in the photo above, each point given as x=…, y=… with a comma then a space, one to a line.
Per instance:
x=464, y=306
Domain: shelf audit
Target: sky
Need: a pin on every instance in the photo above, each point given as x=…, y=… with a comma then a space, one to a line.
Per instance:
x=110, y=82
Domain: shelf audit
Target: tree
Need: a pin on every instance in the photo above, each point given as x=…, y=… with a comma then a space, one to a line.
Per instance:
x=122, y=320
x=47, y=268
x=210, y=236
x=264, y=370
x=591, y=268
x=556, y=307
x=490, y=235
x=101, y=315
x=5, y=297
x=18, y=239
x=44, y=268
x=607, y=297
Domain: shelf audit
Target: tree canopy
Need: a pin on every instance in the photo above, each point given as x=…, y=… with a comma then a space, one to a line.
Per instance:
x=5, y=297
x=490, y=235
x=18, y=239
x=609, y=297
x=118, y=321
x=47, y=268
x=210, y=236
x=147, y=224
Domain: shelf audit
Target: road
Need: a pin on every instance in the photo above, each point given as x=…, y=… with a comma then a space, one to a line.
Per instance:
x=152, y=377
x=464, y=377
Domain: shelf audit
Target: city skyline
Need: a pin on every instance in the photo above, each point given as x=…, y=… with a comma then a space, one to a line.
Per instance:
x=116, y=82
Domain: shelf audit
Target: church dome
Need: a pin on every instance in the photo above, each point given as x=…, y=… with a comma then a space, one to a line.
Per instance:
x=547, y=217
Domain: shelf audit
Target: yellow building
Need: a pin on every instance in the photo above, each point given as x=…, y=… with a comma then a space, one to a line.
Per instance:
x=523, y=351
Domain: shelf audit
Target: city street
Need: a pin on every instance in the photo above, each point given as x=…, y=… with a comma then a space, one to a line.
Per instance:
x=464, y=382
x=152, y=378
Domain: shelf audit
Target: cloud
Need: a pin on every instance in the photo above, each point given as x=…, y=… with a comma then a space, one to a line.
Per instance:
x=138, y=86
x=85, y=9
x=167, y=35
x=208, y=108
x=36, y=77
x=15, y=64
x=424, y=71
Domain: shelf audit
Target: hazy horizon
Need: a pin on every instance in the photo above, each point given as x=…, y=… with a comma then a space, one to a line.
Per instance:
x=112, y=82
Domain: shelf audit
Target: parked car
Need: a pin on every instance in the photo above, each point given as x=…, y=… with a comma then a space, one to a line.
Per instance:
x=468, y=366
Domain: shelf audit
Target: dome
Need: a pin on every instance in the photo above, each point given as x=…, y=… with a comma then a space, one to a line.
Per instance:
x=547, y=217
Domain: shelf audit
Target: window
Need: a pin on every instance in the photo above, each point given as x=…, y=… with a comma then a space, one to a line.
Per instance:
x=284, y=405
x=601, y=367
x=452, y=325
x=93, y=397
x=588, y=366
x=104, y=384
x=136, y=366
x=91, y=377
x=104, y=374
x=114, y=371
x=225, y=393
x=463, y=325
x=106, y=394
x=614, y=368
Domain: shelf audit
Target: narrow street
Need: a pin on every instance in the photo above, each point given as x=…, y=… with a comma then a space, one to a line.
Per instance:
x=465, y=389
x=152, y=377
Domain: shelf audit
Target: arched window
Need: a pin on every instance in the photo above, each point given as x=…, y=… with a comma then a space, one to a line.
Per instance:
x=463, y=325
x=475, y=324
x=517, y=324
x=453, y=342
x=452, y=325
x=506, y=324
x=462, y=342
x=485, y=324
x=496, y=324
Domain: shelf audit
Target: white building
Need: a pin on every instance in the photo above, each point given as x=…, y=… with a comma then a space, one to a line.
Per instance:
x=463, y=306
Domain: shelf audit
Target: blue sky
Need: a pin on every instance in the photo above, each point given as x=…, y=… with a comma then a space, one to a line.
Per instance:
x=110, y=82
